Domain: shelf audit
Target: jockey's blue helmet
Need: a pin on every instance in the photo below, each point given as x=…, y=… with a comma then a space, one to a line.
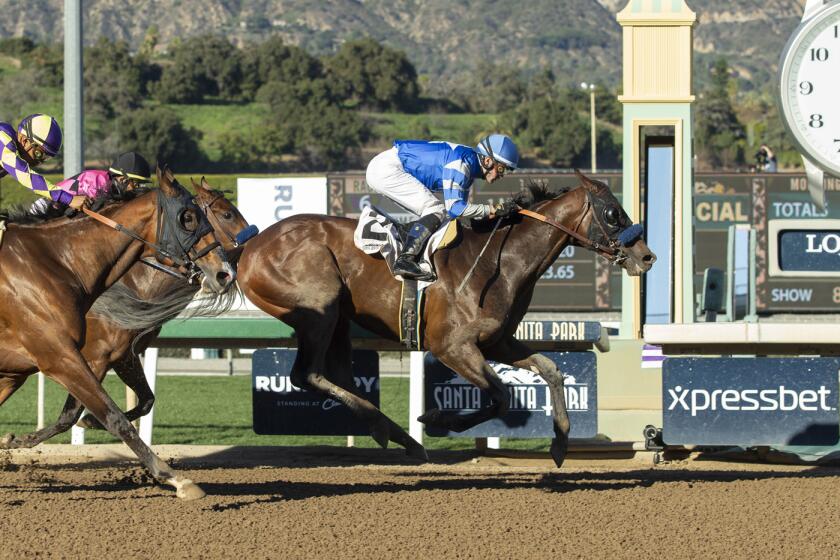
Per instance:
x=501, y=148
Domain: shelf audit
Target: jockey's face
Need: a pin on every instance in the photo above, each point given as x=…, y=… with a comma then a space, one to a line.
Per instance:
x=125, y=183
x=493, y=170
x=31, y=152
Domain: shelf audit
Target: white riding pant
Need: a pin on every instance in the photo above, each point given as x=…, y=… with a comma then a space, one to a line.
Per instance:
x=385, y=175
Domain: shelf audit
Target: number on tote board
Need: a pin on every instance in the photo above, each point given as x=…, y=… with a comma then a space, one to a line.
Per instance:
x=559, y=272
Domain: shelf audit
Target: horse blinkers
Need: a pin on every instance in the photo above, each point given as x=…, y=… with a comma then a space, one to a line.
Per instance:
x=181, y=224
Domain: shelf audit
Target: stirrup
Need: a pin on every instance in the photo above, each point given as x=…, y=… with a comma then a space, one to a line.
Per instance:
x=412, y=270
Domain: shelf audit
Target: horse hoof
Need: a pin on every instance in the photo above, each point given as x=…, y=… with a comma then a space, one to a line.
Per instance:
x=558, y=452
x=6, y=441
x=188, y=490
x=417, y=452
x=430, y=417
x=380, y=433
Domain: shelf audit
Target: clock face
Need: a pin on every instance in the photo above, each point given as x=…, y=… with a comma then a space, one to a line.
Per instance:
x=810, y=88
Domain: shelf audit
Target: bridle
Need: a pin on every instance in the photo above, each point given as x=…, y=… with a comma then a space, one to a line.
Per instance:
x=236, y=240
x=185, y=261
x=612, y=250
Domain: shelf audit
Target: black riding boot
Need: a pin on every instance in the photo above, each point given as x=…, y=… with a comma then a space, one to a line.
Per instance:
x=406, y=264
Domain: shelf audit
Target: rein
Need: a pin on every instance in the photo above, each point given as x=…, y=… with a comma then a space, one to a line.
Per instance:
x=189, y=264
x=607, y=251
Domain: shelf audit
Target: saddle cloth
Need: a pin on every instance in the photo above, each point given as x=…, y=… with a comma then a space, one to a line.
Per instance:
x=377, y=233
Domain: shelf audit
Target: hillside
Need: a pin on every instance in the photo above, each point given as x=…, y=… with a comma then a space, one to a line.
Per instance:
x=578, y=39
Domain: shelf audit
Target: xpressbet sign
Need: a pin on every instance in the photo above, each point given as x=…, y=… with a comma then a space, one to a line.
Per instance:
x=750, y=401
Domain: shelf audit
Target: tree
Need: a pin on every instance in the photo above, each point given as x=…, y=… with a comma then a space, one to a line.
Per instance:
x=49, y=61
x=494, y=89
x=274, y=61
x=201, y=66
x=112, y=79
x=157, y=133
x=553, y=127
x=719, y=135
x=374, y=76
x=311, y=119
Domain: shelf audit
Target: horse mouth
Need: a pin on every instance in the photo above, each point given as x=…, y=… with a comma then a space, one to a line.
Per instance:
x=219, y=283
x=636, y=266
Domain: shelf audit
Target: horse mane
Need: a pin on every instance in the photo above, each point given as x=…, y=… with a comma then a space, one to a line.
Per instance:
x=122, y=306
x=24, y=214
x=530, y=195
x=533, y=192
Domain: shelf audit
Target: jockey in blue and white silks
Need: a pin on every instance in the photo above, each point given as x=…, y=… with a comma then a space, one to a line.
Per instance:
x=411, y=171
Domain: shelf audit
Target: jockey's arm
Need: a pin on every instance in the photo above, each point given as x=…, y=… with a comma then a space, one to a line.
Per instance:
x=457, y=181
x=18, y=169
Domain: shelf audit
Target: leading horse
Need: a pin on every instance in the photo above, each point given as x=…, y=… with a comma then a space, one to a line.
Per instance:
x=306, y=271
x=52, y=272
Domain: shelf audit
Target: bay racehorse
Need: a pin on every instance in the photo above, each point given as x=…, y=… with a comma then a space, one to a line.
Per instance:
x=129, y=315
x=306, y=271
x=51, y=273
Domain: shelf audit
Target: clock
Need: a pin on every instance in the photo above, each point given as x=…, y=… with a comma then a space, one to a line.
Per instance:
x=809, y=90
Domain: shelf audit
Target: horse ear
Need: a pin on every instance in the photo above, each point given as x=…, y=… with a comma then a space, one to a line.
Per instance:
x=194, y=184
x=587, y=183
x=167, y=180
x=205, y=184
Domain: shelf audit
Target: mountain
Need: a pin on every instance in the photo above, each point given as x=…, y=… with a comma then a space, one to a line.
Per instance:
x=579, y=40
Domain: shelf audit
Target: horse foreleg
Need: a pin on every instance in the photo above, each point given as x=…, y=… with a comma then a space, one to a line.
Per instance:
x=517, y=354
x=468, y=361
x=68, y=367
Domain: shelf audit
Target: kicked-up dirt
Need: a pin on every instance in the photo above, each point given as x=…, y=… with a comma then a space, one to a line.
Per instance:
x=332, y=503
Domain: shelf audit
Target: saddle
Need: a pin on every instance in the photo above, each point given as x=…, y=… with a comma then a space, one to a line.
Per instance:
x=378, y=233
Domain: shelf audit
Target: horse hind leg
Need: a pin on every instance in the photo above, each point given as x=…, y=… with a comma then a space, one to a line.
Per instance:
x=8, y=385
x=339, y=370
x=69, y=415
x=129, y=369
x=469, y=363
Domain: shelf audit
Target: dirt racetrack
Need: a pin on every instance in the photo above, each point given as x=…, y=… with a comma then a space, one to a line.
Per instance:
x=337, y=503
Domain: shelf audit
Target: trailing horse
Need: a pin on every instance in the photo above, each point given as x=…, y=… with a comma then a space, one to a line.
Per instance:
x=306, y=271
x=129, y=315
x=51, y=273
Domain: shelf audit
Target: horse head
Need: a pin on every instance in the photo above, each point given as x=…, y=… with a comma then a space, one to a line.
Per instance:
x=224, y=217
x=608, y=225
x=185, y=237
x=592, y=218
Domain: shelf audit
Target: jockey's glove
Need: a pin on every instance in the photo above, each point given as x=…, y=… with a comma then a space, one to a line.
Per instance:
x=505, y=208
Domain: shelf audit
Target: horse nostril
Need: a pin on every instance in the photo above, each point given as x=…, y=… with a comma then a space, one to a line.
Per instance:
x=649, y=258
x=223, y=278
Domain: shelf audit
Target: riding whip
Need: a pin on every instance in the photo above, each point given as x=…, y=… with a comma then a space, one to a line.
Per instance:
x=472, y=268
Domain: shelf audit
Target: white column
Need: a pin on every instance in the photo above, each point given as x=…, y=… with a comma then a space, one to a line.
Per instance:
x=415, y=395
x=150, y=363
x=40, y=422
x=493, y=442
x=77, y=435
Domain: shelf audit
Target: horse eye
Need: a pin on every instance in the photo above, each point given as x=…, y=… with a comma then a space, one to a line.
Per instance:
x=227, y=215
x=188, y=221
x=611, y=215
